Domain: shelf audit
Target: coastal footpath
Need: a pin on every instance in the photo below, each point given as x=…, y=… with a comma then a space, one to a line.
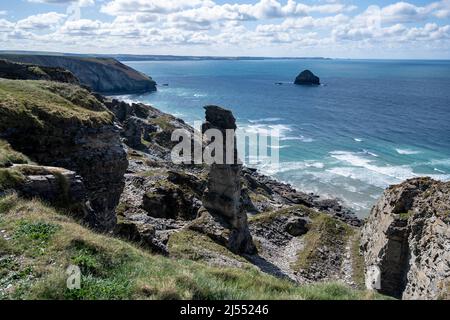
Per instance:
x=140, y=226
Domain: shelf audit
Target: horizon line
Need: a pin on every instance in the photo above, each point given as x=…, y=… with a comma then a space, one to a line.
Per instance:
x=203, y=57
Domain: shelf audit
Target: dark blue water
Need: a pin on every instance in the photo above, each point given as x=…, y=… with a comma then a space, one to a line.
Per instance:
x=371, y=123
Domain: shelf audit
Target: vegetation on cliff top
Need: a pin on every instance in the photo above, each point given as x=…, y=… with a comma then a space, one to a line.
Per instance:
x=8, y=156
x=39, y=104
x=325, y=231
x=37, y=244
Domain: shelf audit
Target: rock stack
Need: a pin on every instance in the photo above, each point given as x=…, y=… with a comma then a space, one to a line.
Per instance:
x=222, y=216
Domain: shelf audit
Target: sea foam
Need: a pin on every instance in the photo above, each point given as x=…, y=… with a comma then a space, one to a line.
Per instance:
x=406, y=151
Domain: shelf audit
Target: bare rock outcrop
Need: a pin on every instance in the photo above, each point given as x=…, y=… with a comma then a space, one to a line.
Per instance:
x=57, y=186
x=222, y=216
x=75, y=131
x=406, y=241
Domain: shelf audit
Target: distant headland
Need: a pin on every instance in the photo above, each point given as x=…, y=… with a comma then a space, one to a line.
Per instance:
x=151, y=57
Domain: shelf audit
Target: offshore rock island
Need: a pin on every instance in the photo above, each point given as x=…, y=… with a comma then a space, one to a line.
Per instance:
x=306, y=77
x=87, y=180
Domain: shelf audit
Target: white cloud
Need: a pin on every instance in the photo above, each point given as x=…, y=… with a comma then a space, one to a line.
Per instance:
x=6, y=25
x=120, y=7
x=287, y=26
x=81, y=27
x=41, y=21
x=81, y=3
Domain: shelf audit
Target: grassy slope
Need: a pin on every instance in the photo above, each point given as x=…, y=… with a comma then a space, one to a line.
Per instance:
x=39, y=103
x=37, y=244
x=10, y=178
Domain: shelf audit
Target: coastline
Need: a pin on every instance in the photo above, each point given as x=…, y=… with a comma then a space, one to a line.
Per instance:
x=332, y=205
x=221, y=216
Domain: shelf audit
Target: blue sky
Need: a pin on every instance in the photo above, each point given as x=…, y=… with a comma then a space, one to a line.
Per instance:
x=331, y=28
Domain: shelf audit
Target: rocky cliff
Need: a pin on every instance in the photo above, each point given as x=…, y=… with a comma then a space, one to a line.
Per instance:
x=100, y=74
x=63, y=125
x=105, y=159
x=406, y=241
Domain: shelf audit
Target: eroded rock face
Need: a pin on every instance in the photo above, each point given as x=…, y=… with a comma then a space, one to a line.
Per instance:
x=222, y=198
x=406, y=241
x=93, y=150
x=58, y=186
x=306, y=77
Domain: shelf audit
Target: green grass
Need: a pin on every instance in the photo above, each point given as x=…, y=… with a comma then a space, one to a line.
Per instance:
x=8, y=156
x=115, y=269
x=195, y=246
x=37, y=70
x=405, y=215
x=358, y=276
x=40, y=104
x=10, y=178
x=164, y=122
x=324, y=231
x=35, y=231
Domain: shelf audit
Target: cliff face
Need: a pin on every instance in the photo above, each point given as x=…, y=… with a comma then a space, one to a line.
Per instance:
x=65, y=126
x=406, y=241
x=100, y=74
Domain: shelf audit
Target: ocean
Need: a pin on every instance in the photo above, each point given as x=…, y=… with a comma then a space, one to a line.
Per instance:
x=371, y=123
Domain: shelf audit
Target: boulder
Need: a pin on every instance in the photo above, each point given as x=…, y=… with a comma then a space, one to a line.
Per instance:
x=296, y=226
x=57, y=186
x=406, y=241
x=306, y=77
x=170, y=203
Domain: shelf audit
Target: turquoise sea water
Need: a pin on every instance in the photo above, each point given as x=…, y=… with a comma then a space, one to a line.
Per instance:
x=371, y=124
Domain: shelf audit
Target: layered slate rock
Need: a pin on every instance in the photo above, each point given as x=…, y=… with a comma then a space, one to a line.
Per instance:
x=306, y=77
x=406, y=241
x=57, y=186
x=63, y=125
x=222, y=216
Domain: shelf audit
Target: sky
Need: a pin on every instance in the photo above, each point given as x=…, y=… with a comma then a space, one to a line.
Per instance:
x=381, y=29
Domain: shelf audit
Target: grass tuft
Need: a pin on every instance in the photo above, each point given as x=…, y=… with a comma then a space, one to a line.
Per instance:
x=325, y=231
